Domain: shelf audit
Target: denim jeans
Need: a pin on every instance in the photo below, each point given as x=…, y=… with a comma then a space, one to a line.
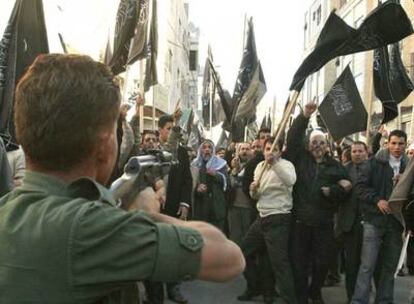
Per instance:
x=381, y=249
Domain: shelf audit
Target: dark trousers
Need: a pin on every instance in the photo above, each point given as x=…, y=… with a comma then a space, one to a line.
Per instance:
x=155, y=292
x=314, y=245
x=410, y=255
x=352, y=248
x=270, y=234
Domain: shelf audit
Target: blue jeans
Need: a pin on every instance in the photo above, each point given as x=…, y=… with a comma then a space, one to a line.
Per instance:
x=381, y=249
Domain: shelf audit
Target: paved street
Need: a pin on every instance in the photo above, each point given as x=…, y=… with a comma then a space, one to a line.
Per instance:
x=199, y=292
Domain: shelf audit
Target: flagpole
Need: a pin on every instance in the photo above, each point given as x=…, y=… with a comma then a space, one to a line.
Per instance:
x=211, y=109
x=286, y=115
x=412, y=121
x=273, y=121
x=153, y=111
x=369, y=121
x=124, y=94
x=142, y=91
x=244, y=32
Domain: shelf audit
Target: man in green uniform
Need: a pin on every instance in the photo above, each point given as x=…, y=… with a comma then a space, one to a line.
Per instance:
x=62, y=238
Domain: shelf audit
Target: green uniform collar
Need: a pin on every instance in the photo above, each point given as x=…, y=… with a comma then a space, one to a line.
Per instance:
x=83, y=187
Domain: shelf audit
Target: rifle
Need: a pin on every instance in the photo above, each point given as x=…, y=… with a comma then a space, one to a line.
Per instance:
x=141, y=172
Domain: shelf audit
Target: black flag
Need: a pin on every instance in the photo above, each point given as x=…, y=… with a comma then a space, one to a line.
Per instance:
x=126, y=21
x=249, y=88
x=382, y=84
x=246, y=108
x=391, y=82
x=151, y=76
x=342, y=110
x=338, y=39
x=206, y=91
x=138, y=48
x=24, y=39
x=401, y=84
x=225, y=98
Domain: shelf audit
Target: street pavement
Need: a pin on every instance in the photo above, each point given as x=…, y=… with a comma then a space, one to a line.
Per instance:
x=199, y=292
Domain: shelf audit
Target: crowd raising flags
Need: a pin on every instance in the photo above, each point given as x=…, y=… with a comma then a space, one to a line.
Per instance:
x=24, y=39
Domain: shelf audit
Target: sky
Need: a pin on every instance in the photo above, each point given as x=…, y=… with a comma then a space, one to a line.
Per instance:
x=279, y=39
x=278, y=29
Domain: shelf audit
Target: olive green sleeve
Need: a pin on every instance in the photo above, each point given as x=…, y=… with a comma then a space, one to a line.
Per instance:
x=178, y=254
x=110, y=247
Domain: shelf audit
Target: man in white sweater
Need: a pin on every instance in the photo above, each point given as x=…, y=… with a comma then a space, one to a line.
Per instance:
x=270, y=231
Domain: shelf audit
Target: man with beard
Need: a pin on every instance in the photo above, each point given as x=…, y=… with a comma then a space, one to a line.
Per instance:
x=258, y=157
x=349, y=227
x=211, y=180
x=241, y=213
x=316, y=195
x=149, y=141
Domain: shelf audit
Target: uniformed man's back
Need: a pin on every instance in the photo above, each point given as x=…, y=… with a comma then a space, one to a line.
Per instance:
x=63, y=240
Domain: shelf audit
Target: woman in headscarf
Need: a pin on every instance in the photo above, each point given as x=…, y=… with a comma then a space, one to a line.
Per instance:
x=210, y=175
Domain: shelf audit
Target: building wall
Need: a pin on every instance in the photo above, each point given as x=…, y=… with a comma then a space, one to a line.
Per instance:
x=174, y=46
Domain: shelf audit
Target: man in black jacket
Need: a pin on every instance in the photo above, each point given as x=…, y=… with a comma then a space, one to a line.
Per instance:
x=349, y=227
x=178, y=185
x=321, y=185
x=382, y=236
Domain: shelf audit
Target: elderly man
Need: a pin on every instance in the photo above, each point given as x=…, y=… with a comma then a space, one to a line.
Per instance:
x=63, y=238
x=320, y=187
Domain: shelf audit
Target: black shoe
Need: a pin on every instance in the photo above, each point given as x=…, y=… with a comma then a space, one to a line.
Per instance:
x=248, y=295
x=401, y=273
x=176, y=296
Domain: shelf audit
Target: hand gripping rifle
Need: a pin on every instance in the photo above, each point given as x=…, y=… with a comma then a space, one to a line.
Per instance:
x=141, y=172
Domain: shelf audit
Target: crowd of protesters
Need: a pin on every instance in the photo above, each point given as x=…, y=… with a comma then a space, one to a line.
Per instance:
x=300, y=209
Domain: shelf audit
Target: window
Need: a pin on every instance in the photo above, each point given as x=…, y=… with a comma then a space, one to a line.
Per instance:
x=170, y=57
x=318, y=15
x=193, y=60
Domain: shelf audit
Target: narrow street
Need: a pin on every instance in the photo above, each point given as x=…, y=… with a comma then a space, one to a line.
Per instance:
x=199, y=292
